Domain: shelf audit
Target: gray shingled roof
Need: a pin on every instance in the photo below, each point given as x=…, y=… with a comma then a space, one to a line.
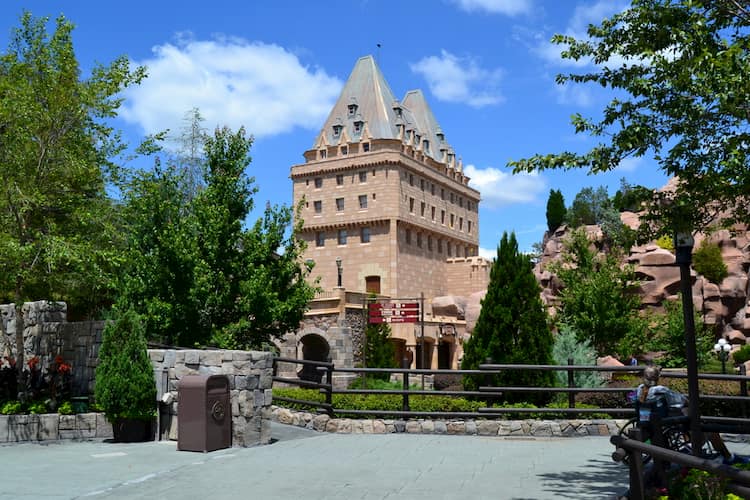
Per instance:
x=366, y=98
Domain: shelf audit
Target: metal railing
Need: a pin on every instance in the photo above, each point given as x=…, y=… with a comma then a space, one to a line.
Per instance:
x=486, y=392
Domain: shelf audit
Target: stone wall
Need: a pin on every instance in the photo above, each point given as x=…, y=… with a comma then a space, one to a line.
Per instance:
x=51, y=427
x=250, y=383
x=518, y=428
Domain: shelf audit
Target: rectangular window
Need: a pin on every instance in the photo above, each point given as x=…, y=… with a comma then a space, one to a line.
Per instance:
x=318, y=206
x=440, y=246
x=461, y=202
x=411, y=179
x=451, y=197
x=468, y=226
x=344, y=150
x=429, y=243
x=363, y=176
x=422, y=207
x=460, y=223
x=452, y=217
x=318, y=182
x=442, y=194
x=432, y=210
x=363, y=201
x=320, y=239
x=450, y=249
x=339, y=204
x=411, y=205
x=323, y=154
x=408, y=236
x=366, y=147
x=432, y=189
x=442, y=217
x=342, y=236
x=364, y=235
x=421, y=184
x=419, y=240
x=339, y=179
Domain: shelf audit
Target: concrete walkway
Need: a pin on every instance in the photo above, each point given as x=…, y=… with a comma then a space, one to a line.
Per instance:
x=310, y=465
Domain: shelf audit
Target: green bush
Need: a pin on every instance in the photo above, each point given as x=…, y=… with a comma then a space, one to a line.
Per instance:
x=568, y=346
x=37, y=408
x=65, y=409
x=707, y=261
x=11, y=408
x=668, y=335
x=666, y=242
x=125, y=386
x=741, y=355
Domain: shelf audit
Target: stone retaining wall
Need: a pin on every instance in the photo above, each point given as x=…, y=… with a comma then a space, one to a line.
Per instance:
x=52, y=426
x=250, y=376
x=536, y=428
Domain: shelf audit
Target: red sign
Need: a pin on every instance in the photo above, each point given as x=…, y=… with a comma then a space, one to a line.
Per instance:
x=394, y=312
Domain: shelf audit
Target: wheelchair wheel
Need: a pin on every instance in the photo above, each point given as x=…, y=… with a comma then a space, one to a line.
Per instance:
x=625, y=431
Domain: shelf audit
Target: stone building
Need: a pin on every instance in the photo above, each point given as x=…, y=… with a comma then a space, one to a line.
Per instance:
x=387, y=210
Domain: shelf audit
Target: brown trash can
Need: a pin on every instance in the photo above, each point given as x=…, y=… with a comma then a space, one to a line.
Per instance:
x=204, y=413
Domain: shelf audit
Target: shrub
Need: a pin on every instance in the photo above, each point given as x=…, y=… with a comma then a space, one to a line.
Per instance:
x=125, y=386
x=37, y=408
x=668, y=335
x=666, y=242
x=379, y=350
x=741, y=355
x=568, y=346
x=707, y=261
x=65, y=409
x=11, y=408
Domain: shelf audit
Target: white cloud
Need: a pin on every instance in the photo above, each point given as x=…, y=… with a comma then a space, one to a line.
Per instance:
x=233, y=82
x=507, y=7
x=583, y=15
x=455, y=79
x=488, y=253
x=574, y=95
x=629, y=164
x=499, y=188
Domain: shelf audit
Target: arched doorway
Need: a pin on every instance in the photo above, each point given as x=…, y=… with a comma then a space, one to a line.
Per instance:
x=314, y=348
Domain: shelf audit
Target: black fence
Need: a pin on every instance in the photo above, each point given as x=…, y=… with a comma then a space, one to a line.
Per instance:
x=488, y=392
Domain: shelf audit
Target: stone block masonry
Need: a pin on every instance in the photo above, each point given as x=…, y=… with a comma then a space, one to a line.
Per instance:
x=250, y=376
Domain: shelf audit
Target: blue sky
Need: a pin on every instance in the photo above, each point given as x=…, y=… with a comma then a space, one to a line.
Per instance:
x=486, y=66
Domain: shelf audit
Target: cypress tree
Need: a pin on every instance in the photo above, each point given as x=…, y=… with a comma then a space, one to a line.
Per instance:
x=556, y=210
x=512, y=326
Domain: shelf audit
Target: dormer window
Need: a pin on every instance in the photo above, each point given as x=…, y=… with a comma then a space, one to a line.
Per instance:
x=441, y=137
x=358, y=126
x=426, y=145
x=397, y=109
x=337, y=130
x=352, y=109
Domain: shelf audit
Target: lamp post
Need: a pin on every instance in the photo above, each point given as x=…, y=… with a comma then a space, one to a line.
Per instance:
x=722, y=348
x=340, y=270
x=683, y=244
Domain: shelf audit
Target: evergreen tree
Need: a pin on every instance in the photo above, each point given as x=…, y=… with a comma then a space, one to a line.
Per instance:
x=512, y=326
x=379, y=350
x=556, y=210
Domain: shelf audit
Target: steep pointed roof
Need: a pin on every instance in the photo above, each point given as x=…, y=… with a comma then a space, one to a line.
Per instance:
x=367, y=104
x=426, y=124
x=366, y=97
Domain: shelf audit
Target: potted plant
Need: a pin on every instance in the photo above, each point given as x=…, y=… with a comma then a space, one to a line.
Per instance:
x=125, y=387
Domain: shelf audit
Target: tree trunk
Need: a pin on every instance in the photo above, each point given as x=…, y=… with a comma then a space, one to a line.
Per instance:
x=21, y=374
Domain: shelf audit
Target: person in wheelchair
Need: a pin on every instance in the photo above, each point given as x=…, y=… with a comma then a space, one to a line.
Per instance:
x=655, y=402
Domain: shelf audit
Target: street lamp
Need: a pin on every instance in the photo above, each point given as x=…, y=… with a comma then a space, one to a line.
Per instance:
x=683, y=245
x=340, y=270
x=722, y=348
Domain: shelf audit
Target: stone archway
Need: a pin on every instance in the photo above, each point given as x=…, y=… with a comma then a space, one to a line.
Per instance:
x=314, y=348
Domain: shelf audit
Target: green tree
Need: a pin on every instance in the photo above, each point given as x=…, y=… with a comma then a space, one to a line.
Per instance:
x=56, y=222
x=157, y=276
x=512, y=325
x=598, y=299
x=668, y=336
x=379, y=350
x=707, y=260
x=631, y=197
x=195, y=271
x=568, y=345
x=680, y=95
x=588, y=207
x=125, y=386
x=556, y=211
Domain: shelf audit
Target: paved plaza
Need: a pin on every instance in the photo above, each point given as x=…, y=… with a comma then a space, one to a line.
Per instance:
x=305, y=464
